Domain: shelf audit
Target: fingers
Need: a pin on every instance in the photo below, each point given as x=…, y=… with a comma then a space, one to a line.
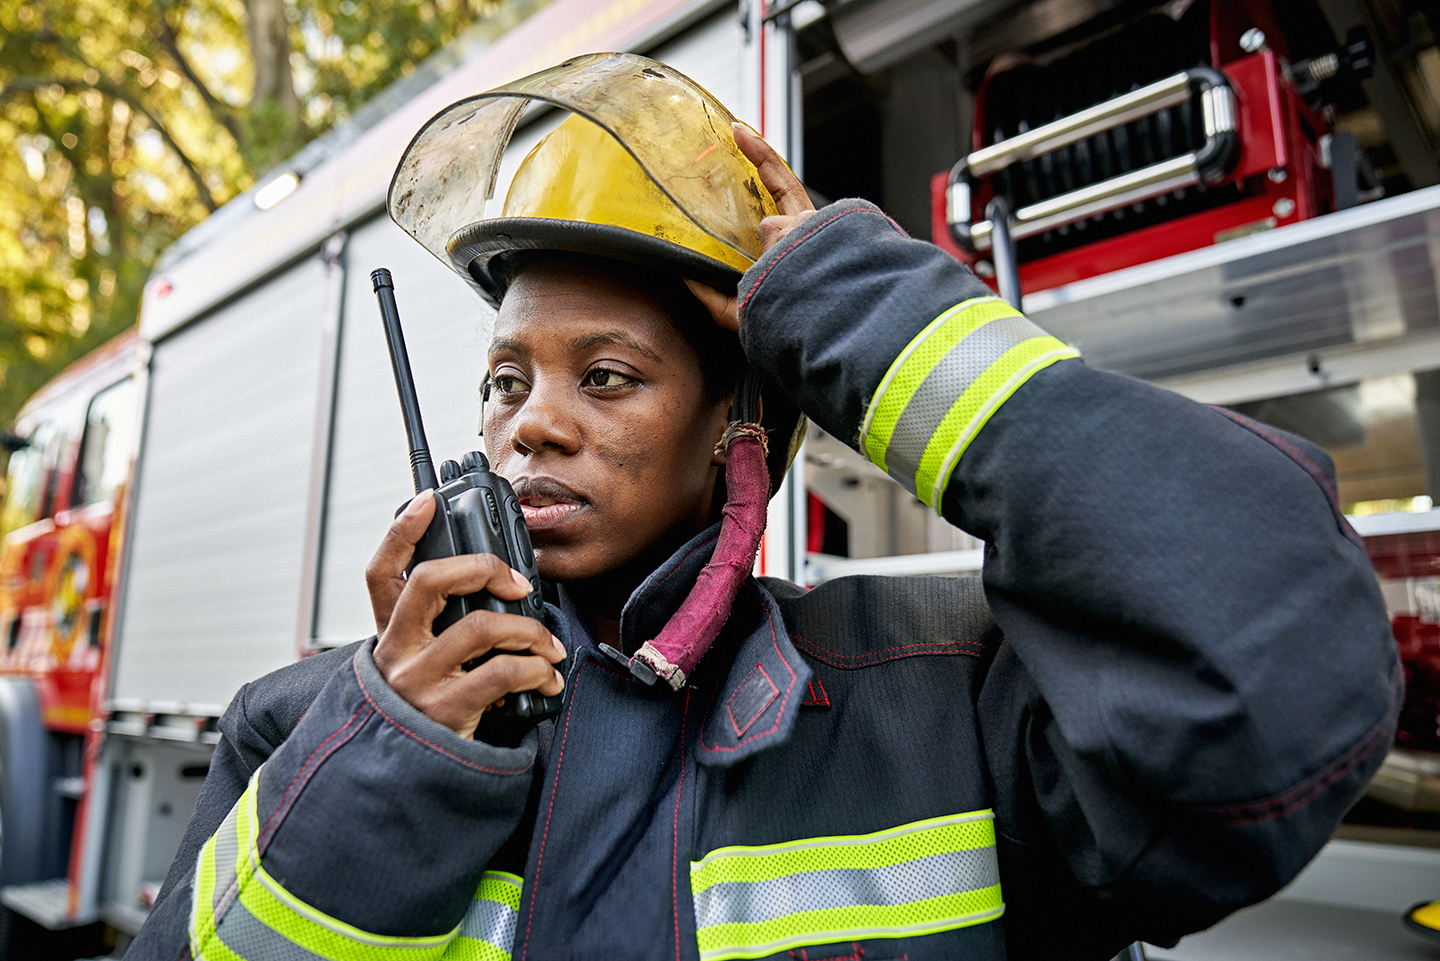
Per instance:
x=774, y=229
x=790, y=198
x=385, y=575
x=480, y=632
x=459, y=700
x=509, y=674
x=784, y=186
x=431, y=582
x=434, y=681
x=723, y=308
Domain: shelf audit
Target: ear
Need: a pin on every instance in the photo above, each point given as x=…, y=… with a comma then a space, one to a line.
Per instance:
x=718, y=457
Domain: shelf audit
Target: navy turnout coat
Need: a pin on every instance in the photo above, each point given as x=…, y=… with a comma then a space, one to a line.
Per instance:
x=1172, y=680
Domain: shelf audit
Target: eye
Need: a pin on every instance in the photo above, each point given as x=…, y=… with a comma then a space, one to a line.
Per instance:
x=604, y=378
x=507, y=383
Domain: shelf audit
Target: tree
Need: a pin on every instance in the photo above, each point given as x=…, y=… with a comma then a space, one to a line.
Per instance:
x=123, y=123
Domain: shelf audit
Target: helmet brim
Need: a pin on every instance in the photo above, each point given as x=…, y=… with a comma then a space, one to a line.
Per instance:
x=483, y=251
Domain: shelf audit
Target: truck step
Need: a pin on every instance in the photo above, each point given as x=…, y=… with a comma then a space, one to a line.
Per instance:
x=44, y=902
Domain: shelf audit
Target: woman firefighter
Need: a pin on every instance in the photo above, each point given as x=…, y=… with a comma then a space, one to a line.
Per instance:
x=1173, y=678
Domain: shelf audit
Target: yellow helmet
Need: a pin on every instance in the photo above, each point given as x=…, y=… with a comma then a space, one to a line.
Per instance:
x=646, y=169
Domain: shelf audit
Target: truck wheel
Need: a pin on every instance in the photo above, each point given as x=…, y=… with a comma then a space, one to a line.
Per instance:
x=22, y=782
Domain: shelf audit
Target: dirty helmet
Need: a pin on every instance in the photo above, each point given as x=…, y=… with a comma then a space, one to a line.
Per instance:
x=646, y=170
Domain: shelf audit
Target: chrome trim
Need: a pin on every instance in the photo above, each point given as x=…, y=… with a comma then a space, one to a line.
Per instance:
x=1217, y=106
x=1143, y=184
x=1170, y=92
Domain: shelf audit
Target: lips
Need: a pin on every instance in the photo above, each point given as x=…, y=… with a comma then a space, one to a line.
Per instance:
x=547, y=503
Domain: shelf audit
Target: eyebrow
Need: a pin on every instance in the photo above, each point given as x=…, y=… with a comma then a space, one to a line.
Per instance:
x=505, y=345
x=618, y=338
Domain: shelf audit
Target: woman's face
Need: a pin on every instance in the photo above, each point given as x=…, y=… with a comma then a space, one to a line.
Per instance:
x=599, y=417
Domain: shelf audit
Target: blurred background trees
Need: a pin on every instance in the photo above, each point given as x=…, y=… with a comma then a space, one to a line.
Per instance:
x=123, y=123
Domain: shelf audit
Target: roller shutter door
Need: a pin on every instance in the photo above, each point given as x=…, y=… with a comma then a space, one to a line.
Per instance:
x=212, y=592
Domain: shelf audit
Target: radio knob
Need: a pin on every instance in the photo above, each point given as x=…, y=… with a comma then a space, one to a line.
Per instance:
x=449, y=470
x=522, y=538
x=474, y=461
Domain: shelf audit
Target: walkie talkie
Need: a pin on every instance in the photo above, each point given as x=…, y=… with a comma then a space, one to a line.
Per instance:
x=476, y=512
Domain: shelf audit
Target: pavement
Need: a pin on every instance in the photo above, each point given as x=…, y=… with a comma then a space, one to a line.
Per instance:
x=1291, y=930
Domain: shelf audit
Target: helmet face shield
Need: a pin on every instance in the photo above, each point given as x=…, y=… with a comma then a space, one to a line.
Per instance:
x=672, y=128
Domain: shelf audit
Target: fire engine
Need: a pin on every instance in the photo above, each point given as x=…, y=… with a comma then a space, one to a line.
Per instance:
x=1236, y=199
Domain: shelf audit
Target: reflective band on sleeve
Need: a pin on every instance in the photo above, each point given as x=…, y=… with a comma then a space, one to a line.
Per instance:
x=241, y=913
x=944, y=387
x=489, y=925
x=915, y=879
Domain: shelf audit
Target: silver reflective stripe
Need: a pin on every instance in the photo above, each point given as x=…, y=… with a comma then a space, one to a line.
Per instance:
x=254, y=940
x=227, y=853
x=491, y=922
x=951, y=872
x=937, y=393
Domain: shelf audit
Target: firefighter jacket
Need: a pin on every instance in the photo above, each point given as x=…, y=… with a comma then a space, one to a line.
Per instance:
x=1172, y=680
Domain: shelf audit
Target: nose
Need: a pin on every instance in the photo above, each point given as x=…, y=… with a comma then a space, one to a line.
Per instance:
x=545, y=421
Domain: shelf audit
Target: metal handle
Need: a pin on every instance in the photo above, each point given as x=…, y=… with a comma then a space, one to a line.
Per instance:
x=1208, y=164
x=1170, y=92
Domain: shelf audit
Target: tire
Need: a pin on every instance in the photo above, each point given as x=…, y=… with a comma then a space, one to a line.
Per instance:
x=22, y=782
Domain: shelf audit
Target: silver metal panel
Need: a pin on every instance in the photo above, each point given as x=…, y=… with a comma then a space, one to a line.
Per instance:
x=709, y=53
x=876, y=33
x=447, y=327
x=214, y=566
x=1360, y=280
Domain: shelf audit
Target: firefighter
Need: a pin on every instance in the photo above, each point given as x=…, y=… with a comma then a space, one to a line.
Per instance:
x=1173, y=678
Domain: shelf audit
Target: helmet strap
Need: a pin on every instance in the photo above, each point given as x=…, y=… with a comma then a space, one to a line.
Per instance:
x=690, y=632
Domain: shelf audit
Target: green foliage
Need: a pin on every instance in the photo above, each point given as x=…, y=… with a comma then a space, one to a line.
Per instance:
x=123, y=123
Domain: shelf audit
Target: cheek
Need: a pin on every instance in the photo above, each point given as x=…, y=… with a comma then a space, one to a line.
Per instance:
x=630, y=450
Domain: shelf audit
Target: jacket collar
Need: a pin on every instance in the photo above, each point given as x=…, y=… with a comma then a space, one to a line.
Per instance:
x=753, y=676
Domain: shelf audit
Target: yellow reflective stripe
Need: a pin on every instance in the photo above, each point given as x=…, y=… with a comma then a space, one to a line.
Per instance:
x=974, y=408
x=929, y=876
x=492, y=917
x=944, y=913
x=469, y=949
x=256, y=915
x=954, y=832
x=316, y=932
x=915, y=362
x=501, y=887
x=215, y=888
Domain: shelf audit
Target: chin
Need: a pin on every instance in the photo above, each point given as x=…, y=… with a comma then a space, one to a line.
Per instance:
x=568, y=563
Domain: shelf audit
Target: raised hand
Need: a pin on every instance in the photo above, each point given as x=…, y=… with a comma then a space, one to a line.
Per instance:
x=791, y=199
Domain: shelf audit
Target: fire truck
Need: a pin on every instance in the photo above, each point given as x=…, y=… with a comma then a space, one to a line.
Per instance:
x=1238, y=200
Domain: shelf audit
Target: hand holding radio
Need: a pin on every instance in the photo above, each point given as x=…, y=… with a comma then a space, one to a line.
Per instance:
x=455, y=583
x=426, y=666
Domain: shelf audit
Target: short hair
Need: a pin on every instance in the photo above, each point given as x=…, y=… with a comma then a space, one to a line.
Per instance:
x=718, y=350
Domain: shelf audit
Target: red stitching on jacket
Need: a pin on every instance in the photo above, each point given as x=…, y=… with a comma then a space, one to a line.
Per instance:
x=302, y=777
x=434, y=747
x=882, y=650
x=554, y=788
x=818, y=696
x=1280, y=805
x=857, y=953
x=779, y=714
x=781, y=256
x=872, y=658
x=1305, y=463
x=675, y=849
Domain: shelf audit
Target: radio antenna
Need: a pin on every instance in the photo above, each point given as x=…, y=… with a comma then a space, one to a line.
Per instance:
x=421, y=467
